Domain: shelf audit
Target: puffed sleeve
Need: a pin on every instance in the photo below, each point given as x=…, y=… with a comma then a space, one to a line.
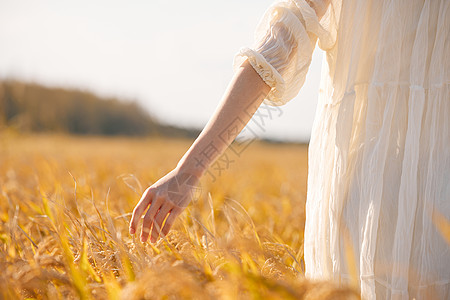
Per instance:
x=284, y=41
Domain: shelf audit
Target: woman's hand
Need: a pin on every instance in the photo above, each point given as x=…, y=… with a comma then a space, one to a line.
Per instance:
x=168, y=197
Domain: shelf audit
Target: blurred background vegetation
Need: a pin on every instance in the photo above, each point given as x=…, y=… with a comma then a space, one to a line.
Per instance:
x=30, y=107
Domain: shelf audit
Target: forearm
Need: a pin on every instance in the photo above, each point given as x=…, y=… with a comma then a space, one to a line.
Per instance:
x=242, y=98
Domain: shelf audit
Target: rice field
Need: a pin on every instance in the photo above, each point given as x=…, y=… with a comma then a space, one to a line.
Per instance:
x=65, y=204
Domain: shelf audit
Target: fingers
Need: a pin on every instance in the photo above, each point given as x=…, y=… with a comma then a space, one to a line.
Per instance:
x=157, y=224
x=149, y=217
x=139, y=209
x=159, y=207
x=174, y=213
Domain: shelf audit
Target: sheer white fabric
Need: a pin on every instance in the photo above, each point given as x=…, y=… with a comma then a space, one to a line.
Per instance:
x=379, y=165
x=286, y=37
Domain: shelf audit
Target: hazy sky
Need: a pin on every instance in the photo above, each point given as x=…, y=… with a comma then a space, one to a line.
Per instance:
x=174, y=57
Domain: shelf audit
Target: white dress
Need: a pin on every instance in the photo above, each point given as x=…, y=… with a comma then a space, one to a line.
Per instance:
x=379, y=166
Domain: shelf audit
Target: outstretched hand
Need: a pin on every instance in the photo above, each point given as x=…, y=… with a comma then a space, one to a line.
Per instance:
x=167, y=197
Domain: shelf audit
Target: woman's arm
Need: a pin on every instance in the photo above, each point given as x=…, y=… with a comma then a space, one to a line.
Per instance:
x=242, y=98
x=172, y=193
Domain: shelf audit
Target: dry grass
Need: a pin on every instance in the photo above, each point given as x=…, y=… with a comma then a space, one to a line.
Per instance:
x=65, y=204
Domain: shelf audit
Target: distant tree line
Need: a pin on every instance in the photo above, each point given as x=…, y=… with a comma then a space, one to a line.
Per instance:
x=36, y=108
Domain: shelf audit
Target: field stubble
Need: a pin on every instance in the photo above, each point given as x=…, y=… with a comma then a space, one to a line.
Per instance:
x=66, y=203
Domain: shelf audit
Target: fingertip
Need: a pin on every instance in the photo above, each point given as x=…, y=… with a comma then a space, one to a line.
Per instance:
x=132, y=230
x=144, y=234
x=166, y=230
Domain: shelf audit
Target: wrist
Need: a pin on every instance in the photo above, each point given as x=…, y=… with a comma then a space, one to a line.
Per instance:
x=191, y=166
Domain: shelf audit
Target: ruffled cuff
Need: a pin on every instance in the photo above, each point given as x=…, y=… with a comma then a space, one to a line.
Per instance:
x=285, y=40
x=266, y=71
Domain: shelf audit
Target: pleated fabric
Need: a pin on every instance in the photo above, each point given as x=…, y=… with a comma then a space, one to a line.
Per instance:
x=379, y=155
